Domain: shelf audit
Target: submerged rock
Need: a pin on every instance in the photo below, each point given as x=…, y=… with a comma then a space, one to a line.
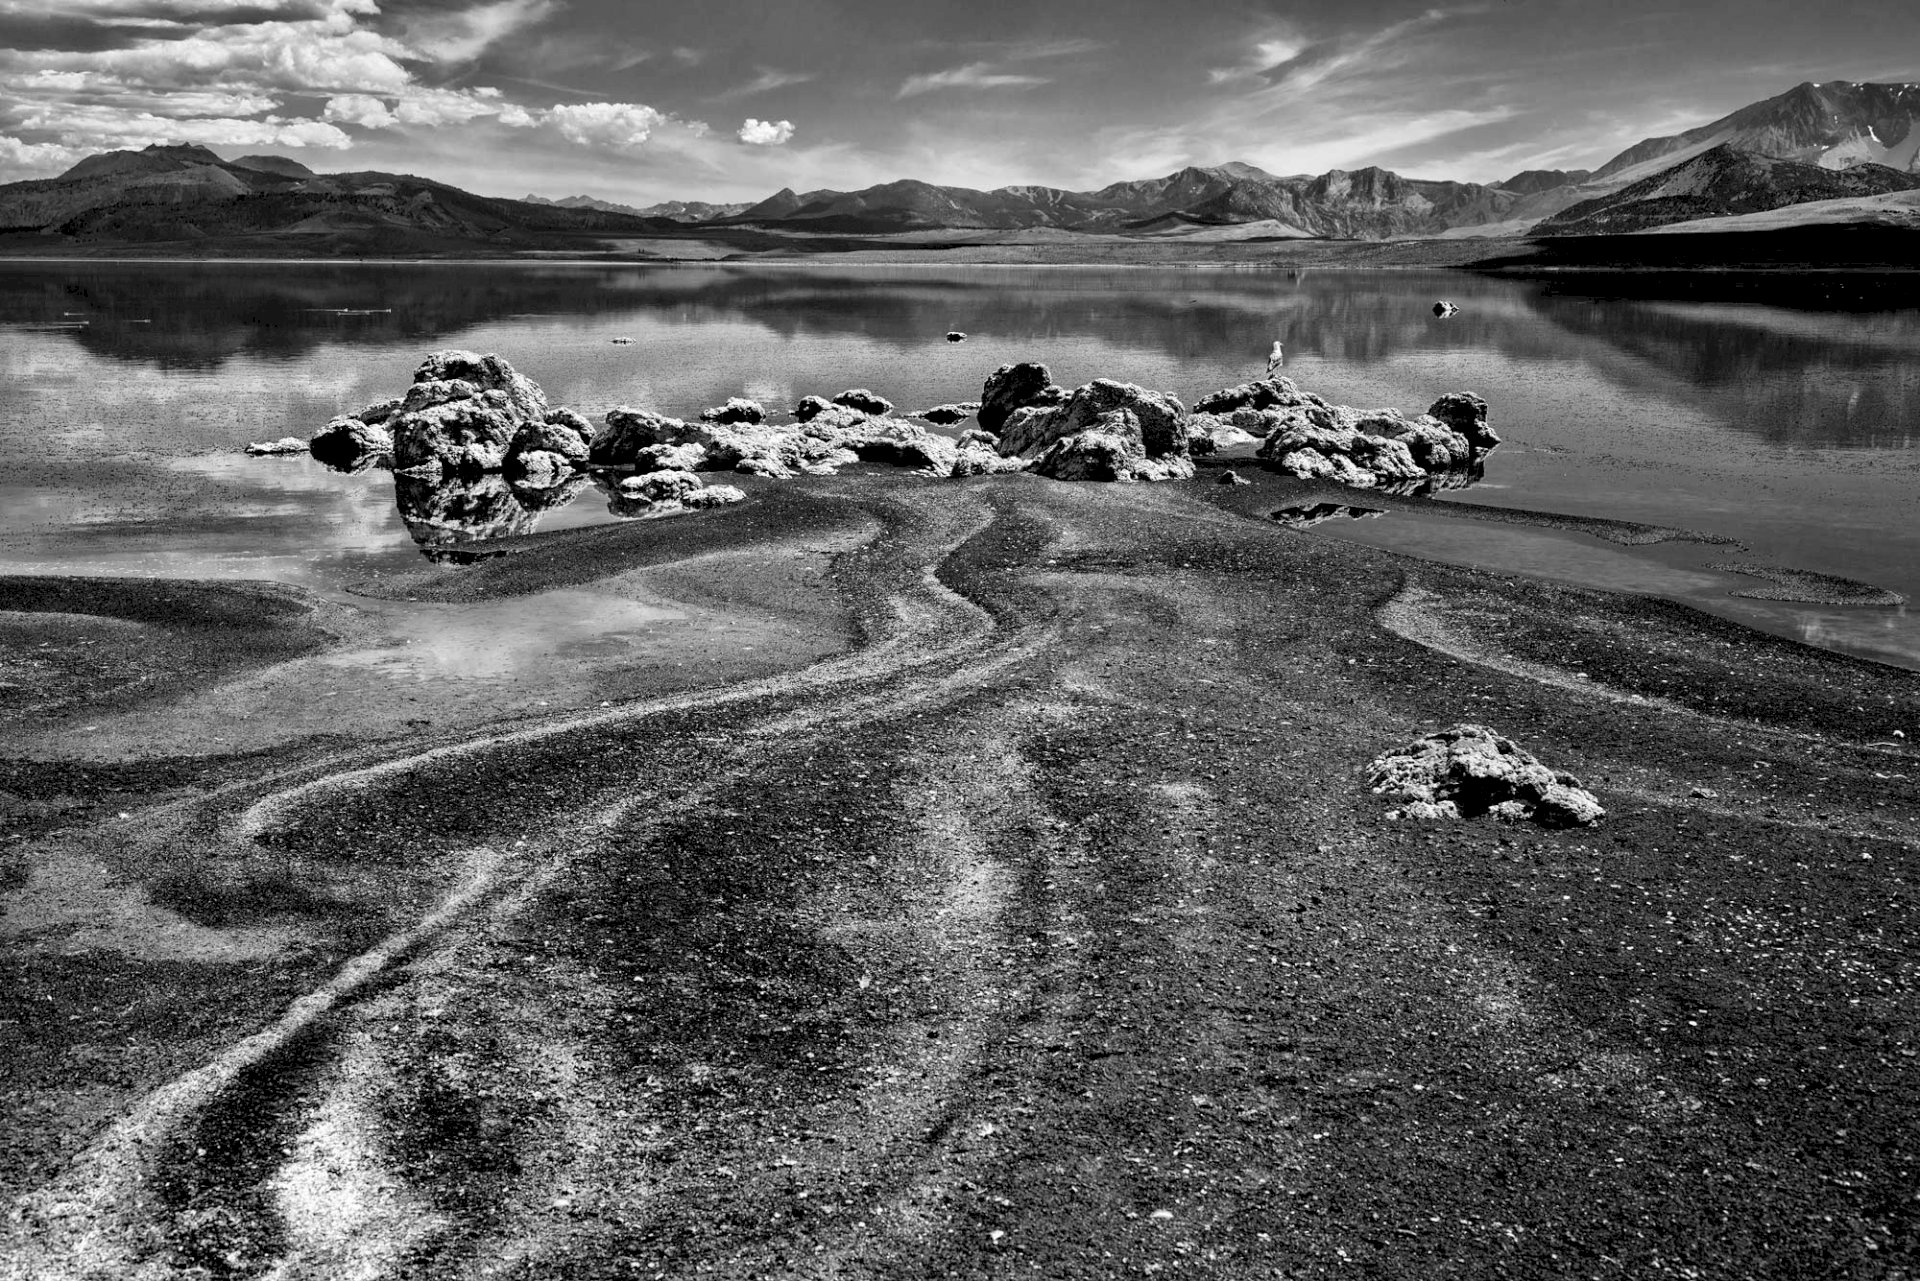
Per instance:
x=736, y=410
x=810, y=407
x=1307, y=515
x=1012, y=387
x=865, y=401
x=285, y=445
x=1468, y=770
x=946, y=415
x=350, y=443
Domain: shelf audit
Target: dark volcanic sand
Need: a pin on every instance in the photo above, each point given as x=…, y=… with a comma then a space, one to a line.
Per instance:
x=1047, y=930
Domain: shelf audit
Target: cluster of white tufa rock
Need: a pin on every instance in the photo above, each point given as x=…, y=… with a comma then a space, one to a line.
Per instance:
x=467, y=414
x=1304, y=435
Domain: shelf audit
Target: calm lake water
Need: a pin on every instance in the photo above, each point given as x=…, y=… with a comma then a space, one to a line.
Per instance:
x=1785, y=417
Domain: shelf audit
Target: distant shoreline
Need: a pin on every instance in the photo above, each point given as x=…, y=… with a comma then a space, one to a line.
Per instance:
x=1852, y=252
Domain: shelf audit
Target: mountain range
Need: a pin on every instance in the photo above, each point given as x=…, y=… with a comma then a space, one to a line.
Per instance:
x=1838, y=141
x=187, y=193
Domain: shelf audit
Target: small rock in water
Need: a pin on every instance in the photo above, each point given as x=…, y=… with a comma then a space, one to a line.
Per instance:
x=954, y=335
x=738, y=409
x=285, y=445
x=865, y=401
x=1444, y=308
x=622, y=342
x=1231, y=477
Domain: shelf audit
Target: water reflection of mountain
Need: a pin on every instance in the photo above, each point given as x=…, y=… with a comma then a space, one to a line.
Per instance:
x=1808, y=367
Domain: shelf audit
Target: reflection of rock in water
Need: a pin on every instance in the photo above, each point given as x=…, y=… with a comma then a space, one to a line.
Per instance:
x=537, y=498
x=1307, y=515
x=448, y=516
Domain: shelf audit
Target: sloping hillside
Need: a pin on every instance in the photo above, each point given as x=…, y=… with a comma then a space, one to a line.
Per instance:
x=189, y=194
x=1720, y=181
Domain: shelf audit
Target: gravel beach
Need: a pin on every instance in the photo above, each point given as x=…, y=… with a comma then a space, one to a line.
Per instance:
x=990, y=886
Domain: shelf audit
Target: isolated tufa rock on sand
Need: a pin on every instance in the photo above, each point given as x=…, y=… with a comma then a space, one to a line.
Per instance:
x=1306, y=436
x=657, y=493
x=1468, y=770
x=1104, y=430
x=1012, y=387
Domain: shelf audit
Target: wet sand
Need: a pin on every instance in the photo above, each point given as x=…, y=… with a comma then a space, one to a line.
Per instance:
x=1021, y=909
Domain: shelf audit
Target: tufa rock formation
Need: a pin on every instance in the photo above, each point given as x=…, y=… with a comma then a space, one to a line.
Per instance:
x=1468, y=770
x=1104, y=430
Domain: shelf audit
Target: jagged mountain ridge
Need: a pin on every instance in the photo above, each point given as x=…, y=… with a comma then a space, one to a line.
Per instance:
x=676, y=210
x=1833, y=125
x=1364, y=204
x=1721, y=181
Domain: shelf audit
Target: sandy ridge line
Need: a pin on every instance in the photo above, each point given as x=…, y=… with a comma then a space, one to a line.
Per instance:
x=1409, y=616
x=90, y=1199
x=870, y=663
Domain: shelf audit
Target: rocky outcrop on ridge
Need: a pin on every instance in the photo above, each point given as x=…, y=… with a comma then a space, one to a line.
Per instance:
x=1468, y=770
x=1307, y=436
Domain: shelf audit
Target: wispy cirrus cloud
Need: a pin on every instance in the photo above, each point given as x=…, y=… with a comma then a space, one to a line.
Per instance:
x=993, y=72
x=767, y=81
x=974, y=75
x=460, y=35
x=1264, y=57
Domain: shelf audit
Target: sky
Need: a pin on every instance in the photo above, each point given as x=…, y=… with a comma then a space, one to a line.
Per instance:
x=730, y=100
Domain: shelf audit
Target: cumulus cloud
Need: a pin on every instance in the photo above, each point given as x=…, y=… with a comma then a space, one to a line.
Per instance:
x=36, y=157
x=975, y=75
x=424, y=107
x=766, y=133
x=618, y=125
